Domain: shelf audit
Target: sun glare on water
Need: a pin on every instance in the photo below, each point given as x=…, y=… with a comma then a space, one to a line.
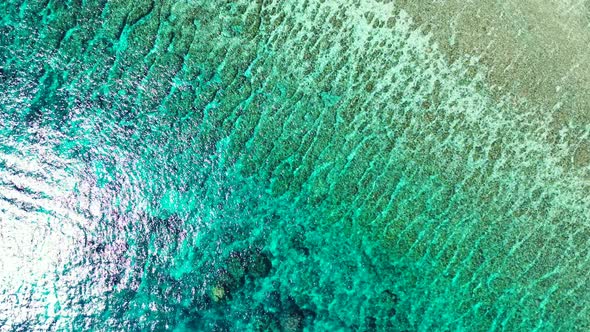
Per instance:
x=41, y=233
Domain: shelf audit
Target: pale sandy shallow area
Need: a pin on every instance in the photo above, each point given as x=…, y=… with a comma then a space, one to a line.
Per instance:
x=534, y=49
x=533, y=54
x=530, y=57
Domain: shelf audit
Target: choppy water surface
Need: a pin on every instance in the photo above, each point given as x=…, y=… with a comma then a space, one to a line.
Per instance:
x=294, y=165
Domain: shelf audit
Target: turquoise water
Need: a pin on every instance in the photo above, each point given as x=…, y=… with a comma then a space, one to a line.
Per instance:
x=287, y=165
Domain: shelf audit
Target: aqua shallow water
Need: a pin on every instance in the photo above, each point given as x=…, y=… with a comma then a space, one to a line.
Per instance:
x=289, y=165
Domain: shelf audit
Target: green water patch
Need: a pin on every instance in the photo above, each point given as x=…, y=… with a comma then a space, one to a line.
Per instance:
x=276, y=166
